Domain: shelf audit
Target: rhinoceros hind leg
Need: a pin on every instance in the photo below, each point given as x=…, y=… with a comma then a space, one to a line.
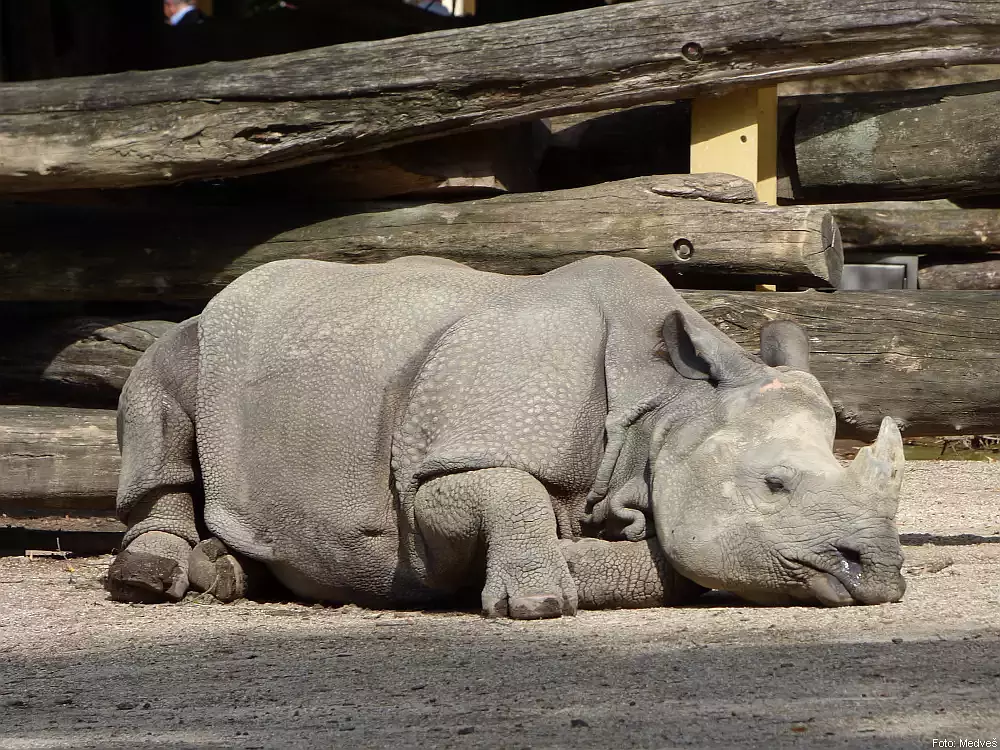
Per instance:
x=506, y=514
x=159, y=496
x=153, y=568
x=215, y=570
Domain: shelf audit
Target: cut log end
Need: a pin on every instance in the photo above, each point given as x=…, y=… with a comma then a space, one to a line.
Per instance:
x=833, y=260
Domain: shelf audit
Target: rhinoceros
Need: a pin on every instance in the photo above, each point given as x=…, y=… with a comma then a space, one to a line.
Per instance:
x=403, y=434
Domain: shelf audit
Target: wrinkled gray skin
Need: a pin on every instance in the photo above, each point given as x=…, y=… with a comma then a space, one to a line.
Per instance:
x=402, y=434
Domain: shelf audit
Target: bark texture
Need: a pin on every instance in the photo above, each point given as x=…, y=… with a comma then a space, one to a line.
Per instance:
x=940, y=232
x=939, y=142
x=217, y=119
x=978, y=274
x=57, y=459
x=700, y=225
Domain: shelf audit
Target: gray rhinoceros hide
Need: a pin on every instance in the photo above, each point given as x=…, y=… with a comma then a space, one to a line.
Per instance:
x=399, y=434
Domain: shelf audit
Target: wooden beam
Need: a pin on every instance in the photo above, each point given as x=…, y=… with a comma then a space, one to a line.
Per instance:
x=928, y=143
x=919, y=230
x=687, y=225
x=70, y=360
x=930, y=359
x=57, y=459
x=925, y=143
x=243, y=117
x=983, y=273
x=893, y=80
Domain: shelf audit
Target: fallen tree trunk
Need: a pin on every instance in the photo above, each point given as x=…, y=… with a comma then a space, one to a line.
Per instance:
x=57, y=459
x=980, y=274
x=698, y=225
x=75, y=361
x=265, y=114
x=926, y=143
x=929, y=359
x=467, y=165
x=947, y=232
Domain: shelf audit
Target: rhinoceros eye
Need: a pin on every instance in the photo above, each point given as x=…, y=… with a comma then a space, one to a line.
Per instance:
x=775, y=483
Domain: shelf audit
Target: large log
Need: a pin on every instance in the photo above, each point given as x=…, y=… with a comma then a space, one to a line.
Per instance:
x=71, y=361
x=57, y=459
x=974, y=274
x=688, y=225
x=938, y=142
x=254, y=116
x=930, y=359
x=466, y=165
x=894, y=80
x=948, y=232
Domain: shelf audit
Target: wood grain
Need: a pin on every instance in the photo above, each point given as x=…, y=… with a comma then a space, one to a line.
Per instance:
x=938, y=142
x=231, y=118
x=704, y=225
x=57, y=459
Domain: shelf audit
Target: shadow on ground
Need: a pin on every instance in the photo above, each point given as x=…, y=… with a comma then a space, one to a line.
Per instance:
x=456, y=681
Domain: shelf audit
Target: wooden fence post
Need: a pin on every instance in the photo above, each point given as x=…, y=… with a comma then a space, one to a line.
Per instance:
x=737, y=133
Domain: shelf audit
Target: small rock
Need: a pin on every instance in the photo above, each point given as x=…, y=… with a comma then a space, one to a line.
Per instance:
x=897, y=639
x=146, y=706
x=466, y=730
x=16, y=703
x=125, y=706
x=576, y=723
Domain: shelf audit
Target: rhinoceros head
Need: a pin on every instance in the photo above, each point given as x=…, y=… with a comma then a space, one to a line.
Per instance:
x=747, y=494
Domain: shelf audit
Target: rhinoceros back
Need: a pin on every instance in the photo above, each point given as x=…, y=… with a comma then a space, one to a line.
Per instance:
x=304, y=373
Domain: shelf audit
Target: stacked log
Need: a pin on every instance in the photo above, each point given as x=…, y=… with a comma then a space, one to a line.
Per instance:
x=224, y=119
x=57, y=459
x=708, y=225
x=867, y=146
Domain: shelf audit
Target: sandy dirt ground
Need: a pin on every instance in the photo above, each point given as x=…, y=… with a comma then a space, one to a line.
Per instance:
x=79, y=671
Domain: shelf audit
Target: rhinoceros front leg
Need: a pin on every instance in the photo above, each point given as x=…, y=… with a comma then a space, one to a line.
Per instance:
x=625, y=575
x=507, y=514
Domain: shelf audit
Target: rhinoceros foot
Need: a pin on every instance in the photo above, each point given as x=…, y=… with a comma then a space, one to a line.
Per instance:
x=536, y=607
x=152, y=569
x=213, y=570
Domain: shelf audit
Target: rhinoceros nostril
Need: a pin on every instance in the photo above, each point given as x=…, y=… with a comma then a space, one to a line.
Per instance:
x=850, y=563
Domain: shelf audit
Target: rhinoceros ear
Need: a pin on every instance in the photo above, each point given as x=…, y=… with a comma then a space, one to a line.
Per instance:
x=700, y=352
x=783, y=343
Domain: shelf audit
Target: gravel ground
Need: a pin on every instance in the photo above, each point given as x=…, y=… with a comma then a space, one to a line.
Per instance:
x=79, y=671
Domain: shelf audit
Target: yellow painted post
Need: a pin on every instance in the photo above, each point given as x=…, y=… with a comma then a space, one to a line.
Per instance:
x=737, y=133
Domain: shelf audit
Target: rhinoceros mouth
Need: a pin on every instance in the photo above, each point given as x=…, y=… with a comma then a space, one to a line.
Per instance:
x=835, y=581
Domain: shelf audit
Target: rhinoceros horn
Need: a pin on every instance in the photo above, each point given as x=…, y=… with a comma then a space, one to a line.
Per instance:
x=881, y=465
